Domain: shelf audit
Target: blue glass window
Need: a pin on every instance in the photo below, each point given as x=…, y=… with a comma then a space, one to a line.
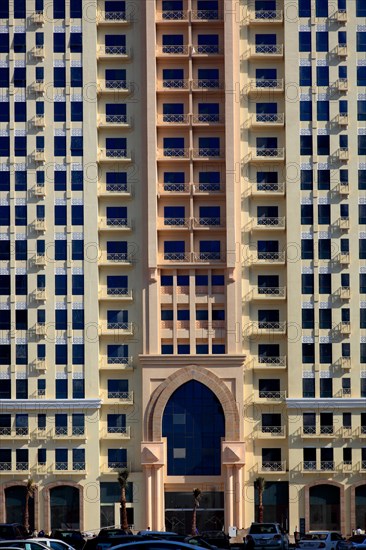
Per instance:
x=20, y=180
x=360, y=8
x=194, y=446
x=304, y=41
x=76, y=9
x=19, y=42
x=76, y=77
x=60, y=249
x=60, y=146
x=322, y=41
x=78, y=388
x=61, y=319
x=361, y=41
x=322, y=109
x=306, y=110
x=78, y=319
x=59, y=42
x=59, y=77
x=58, y=9
x=59, y=111
x=321, y=8
x=322, y=76
x=4, y=42
x=78, y=284
x=78, y=354
x=304, y=8
x=60, y=285
x=61, y=357
x=20, y=146
x=76, y=42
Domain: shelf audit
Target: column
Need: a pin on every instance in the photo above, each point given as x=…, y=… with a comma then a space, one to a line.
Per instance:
x=159, y=520
x=148, y=496
x=238, y=518
x=229, y=497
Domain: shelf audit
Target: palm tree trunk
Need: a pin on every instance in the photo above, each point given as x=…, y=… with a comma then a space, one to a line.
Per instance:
x=26, y=512
x=124, y=521
x=260, y=506
x=194, y=520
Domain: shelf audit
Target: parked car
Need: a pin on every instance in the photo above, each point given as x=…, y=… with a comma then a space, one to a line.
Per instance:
x=355, y=542
x=109, y=538
x=23, y=544
x=11, y=531
x=328, y=540
x=53, y=543
x=270, y=535
x=155, y=545
x=162, y=535
x=216, y=538
x=199, y=541
x=73, y=537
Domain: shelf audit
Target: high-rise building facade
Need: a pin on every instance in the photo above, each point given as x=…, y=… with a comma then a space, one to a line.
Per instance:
x=182, y=262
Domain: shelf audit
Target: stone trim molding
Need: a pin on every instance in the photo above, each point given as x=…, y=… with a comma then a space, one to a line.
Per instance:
x=156, y=406
x=48, y=404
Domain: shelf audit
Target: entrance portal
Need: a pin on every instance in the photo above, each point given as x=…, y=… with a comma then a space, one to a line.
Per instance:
x=65, y=507
x=324, y=504
x=179, y=511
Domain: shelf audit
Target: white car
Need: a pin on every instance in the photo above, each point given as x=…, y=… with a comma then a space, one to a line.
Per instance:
x=55, y=544
x=314, y=540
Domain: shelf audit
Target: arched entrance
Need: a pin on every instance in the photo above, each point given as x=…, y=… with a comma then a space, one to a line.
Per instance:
x=15, y=505
x=194, y=449
x=360, y=506
x=324, y=507
x=65, y=507
x=160, y=456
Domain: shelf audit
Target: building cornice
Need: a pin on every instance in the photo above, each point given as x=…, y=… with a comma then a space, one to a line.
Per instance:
x=48, y=404
x=179, y=361
x=330, y=403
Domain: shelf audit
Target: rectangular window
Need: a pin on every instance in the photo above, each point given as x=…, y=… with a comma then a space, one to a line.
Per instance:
x=304, y=41
x=361, y=41
x=322, y=41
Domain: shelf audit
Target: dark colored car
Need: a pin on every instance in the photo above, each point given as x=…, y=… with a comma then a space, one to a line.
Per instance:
x=11, y=531
x=199, y=541
x=216, y=538
x=71, y=536
x=111, y=537
x=162, y=535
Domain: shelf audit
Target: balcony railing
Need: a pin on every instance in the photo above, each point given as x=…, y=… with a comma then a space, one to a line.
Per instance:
x=266, y=222
x=118, y=223
x=269, y=153
x=264, y=84
x=208, y=222
x=173, y=118
x=264, y=50
x=309, y=465
x=272, y=431
x=120, y=431
x=121, y=395
x=37, y=17
x=266, y=16
x=172, y=49
x=266, y=293
x=207, y=152
x=114, y=51
x=176, y=222
x=327, y=465
x=174, y=152
x=207, y=49
x=114, y=119
x=114, y=85
x=22, y=466
x=262, y=119
x=258, y=327
x=272, y=257
x=270, y=362
x=118, y=257
x=326, y=430
x=273, y=395
x=207, y=118
x=113, y=153
x=273, y=466
x=118, y=292
x=205, y=15
x=119, y=16
x=5, y=466
x=209, y=187
x=174, y=84
x=207, y=84
x=172, y=15
x=174, y=187
x=127, y=361
x=177, y=257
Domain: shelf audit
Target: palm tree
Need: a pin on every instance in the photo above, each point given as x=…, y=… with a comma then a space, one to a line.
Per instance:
x=122, y=480
x=196, y=503
x=30, y=490
x=260, y=484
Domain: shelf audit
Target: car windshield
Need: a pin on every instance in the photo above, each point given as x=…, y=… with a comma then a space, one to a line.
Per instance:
x=263, y=529
x=315, y=536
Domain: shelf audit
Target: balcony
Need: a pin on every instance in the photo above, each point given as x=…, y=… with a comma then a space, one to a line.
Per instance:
x=322, y=431
x=344, y=327
x=113, y=121
x=114, y=52
x=266, y=189
x=38, y=87
x=271, y=363
x=270, y=432
x=173, y=50
x=341, y=50
x=343, y=292
x=270, y=396
x=266, y=223
x=116, y=258
x=209, y=50
x=342, y=188
x=345, y=362
x=37, y=17
x=113, y=224
x=114, y=155
x=176, y=153
x=170, y=16
x=267, y=86
x=173, y=85
x=175, y=257
x=115, y=86
x=117, y=432
x=191, y=257
x=63, y=432
x=207, y=119
x=327, y=466
x=342, y=85
x=38, y=53
x=173, y=120
x=40, y=329
x=207, y=84
x=343, y=258
x=14, y=432
x=172, y=188
x=78, y=468
x=204, y=153
x=116, y=363
x=267, y=293
x=270, y=258
x=308, y=466
x=173, y=223
x=39, y=121
x=208, y=223
x=115, y=293
x=265, y=328
x=39, y=224
x=120, y=397
x=39, y=156
x=265, y=17
x=346, y=392
x=5, y=467
x=362, y=432
x=259, y=154
x=343, y=154
x=265, y=119
x=342, y=119
x=207, y=188
x=124, y=190
x=207, y=257
x=201, y=16
x=114, y=467
x=343, y=223
x=40, y=294
x=113, y=17
x=275, y=466
x=39, y=191
x=40, y=364
x=116, y=329
x=263, y=51
x=40, y=260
